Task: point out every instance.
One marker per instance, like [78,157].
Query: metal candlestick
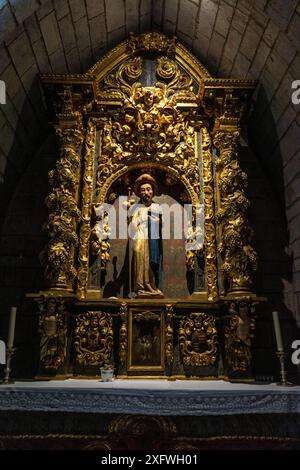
[282,356]
[9,354]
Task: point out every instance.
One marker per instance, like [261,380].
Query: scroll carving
[198,340]
[93,338]
[148,127]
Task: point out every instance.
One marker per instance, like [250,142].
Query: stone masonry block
[293,210]
[32,28]
[225,67]
[145,23]
[132,15]
[4,59]
[157,11]
[169,28]
[258,16]
[30,83]
[73,61]
[82,34]
[187,17]
[239,21]
[285,48]
[294,230]
[284,91]
[241,66]
[295,67]
[285,121]
[57,61]
[145,7]
[171,11]
[251,41]
[11,115]
[276,67]
[94,8]
[78,9]
[201,46]
[115,15]
[50,31]
[67,33]
[61,8]
[85,58]
[216,47]
[3,162]
[293,30]
[207,16]
[290,142]
[223,20]
[7,22]
[23,8]
[117,36]
[281,11]
[260,59]
[7,138]
[271,33]
[44,10]
[42,58]
[98,32]
[12,81]
[292,168]
[21,54]
[232,44]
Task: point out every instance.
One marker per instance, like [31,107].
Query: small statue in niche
[145,234]
[145,345]
[238,337]
[53,335]
[92,340]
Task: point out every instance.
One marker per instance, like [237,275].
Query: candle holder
[9,354]
[282,357]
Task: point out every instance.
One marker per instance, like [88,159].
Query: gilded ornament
[238,334]
[198,340]
[53,332]
[169,332]
[123,335]
[93,338]
[239,259]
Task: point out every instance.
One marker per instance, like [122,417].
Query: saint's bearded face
[146,193]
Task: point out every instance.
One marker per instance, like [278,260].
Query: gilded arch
[186,102]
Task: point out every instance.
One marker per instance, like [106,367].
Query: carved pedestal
[161,338]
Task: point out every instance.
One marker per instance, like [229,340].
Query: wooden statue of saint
[145,232]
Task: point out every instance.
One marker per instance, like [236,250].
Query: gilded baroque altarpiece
[148,107]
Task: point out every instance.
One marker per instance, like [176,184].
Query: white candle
[277,331]
[11,327]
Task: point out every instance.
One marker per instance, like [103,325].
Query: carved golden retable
[147,105]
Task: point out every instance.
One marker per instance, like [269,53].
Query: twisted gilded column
[58,256]
[238,257]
